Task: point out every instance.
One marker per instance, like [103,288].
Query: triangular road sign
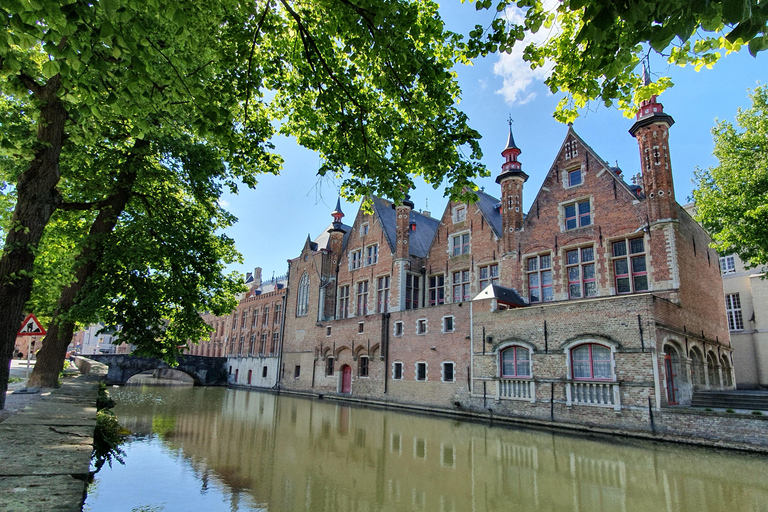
[31,327]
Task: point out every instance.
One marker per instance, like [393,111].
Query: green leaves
[732,198]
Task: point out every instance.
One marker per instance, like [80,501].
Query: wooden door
[346,379]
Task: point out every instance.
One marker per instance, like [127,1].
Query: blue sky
[276,217]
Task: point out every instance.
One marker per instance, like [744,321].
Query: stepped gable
[419,240]
[489,207]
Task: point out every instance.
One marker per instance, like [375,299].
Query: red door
[346,379]
[671,381]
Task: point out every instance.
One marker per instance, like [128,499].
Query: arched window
[302,305]
[697,368]
[515,362]
[591,361]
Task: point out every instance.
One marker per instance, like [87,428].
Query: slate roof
[324,238]
[419,240]
[489,206]
[508,296]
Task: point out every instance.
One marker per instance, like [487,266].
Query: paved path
[46,442]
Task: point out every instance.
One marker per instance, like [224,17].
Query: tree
[594,47]
[365,83]
[732,198]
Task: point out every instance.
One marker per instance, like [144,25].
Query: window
[577,215]
[361,327]
[447,324]
[539,278]
[362,366]
[460,214]
[329,366]
[364,229]
[275,339]
[580,268]
[302,304]
[263,345]
[421,371]
[460,244]
[296,371]
[264,372]
[362,298]
[278,313]
[265,317]
[515,362]
[437,290]
[733,310]
[250,372]
[448,372]
[591,361]
[244,320]
[412,291]
[253,344]
[728,264]
[371,255]
[255,318]
[488,274]
[397,371]
[355,259]
[343,301]
[574,177]
[421,326]
[382,294]
[398,329]
[328,331]
[234,321]
[629,269]
[461,286]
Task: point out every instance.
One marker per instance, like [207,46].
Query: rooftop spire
[337,214]
[511,166]
[646,75]
[510,138]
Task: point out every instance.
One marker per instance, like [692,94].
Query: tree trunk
[36,201]
[50,359]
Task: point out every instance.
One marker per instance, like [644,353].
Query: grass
[757,413]
[14,379]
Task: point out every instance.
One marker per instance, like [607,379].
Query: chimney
[257,277]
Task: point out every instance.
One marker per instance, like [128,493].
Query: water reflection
[262,452]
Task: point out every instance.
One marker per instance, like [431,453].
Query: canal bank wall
[45,449]
[732,431]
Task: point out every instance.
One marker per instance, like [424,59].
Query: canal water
[215,449]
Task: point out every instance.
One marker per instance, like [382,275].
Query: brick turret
[651,129]
[511,180]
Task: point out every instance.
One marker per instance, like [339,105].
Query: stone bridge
[205,371]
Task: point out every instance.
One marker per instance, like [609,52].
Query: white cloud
[518,77]
[223,203]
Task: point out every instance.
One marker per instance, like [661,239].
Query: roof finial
[646,74]
[510,121]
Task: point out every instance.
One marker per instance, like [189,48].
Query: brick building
[600,302]
[250,336]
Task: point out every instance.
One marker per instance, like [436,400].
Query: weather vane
[510,121]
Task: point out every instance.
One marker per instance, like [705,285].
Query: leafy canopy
[594,47]
[732,198]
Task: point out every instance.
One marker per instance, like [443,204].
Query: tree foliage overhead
[594,47]
[732,198]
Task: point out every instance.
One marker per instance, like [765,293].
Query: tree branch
[250,58]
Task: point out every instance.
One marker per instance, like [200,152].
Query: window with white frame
[398,329]
[728,264]
[461,286]
[265,317]
[382,294]
[733,310]
[515,362]
[577,214]
[436,290]
[275,340]
[243,323]
[421,371]
[580,269]
[278,313]
[591,361]
[343,302]
[234,321]
[371,255]
[459,214]
[448,373]
[355,259]
[302,304]
[448,324]
[629,268]
[574,177]
[364,229]
[263,343]
[460,244]
[255,318]
[489,274]
[362,298]
[397,371]
[412,282]
[421,326]
[539,271]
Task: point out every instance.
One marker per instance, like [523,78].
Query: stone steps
[731,399]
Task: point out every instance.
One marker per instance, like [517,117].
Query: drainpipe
[385,348]
[282,331]
[472,346]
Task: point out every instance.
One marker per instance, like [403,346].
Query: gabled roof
[324,238]
[503,295]
[489,206]
[419,240]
